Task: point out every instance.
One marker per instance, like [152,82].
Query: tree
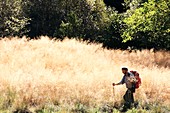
[149,25]
[45,16]
[12,18]
[76,19]
[84,19]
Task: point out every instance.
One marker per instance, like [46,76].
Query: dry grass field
[39,73]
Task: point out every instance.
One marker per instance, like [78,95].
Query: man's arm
[121,82]
[116,84]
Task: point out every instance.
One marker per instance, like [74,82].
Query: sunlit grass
[42,72]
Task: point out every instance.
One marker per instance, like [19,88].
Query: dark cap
[124,68]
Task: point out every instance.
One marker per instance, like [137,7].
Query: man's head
[124,70]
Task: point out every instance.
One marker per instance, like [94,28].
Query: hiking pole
[113,91]
[114,98]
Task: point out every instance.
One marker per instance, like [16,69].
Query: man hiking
[129,79]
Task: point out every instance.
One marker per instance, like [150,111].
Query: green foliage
[12,18]
[45,16]
[76,19]
[151,23]
[84,20]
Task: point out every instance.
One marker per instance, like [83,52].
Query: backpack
[138,83]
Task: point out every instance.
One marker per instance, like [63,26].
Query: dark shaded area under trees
[117,4]
[118,24]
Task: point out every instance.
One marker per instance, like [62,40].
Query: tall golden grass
[44,71]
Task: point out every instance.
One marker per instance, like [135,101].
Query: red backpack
[138,83]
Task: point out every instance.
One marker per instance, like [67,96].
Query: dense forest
[135,24]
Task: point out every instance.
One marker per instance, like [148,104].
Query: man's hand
[113,84]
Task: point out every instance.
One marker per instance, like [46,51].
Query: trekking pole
[113,91]
[114,98]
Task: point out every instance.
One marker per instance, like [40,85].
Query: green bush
[13,20]
[150,25]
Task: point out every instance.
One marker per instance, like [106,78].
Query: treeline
[137,24]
